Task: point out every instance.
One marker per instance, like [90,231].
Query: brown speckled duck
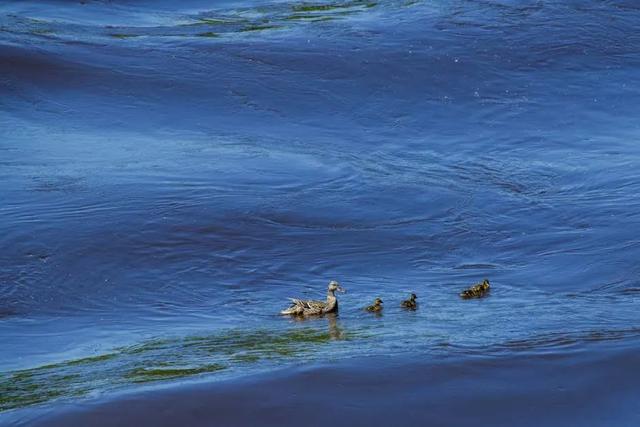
[313,308]
[410,303]
[376,307]
[476,291]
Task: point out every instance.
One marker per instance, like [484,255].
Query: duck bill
[341,289]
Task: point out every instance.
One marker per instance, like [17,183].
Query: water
[173,171]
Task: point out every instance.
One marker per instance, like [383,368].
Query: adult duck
[301,307]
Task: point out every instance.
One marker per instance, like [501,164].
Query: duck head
[335,287]
[377,302]
[413,297]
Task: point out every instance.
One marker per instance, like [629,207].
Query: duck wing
[308,304]
[299,306]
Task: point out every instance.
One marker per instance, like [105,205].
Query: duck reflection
[334,327]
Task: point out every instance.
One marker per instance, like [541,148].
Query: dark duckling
[376,307]
[411,302]
[476,291]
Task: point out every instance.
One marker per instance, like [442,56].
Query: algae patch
[140,375]
[123,36]
[325,7]
[215,22]
[259,28]
[212,21]
[309,18]
[161,360]
[24,388]
[42,32]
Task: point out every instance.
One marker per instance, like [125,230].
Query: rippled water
[173,171]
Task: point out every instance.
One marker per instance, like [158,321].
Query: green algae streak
[209,34]
[259,28]
[311,18]
[324,7]
[141,375]
[160,360]
[123,36]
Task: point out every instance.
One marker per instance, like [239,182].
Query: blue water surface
[178,169]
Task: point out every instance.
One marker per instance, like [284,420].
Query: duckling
[476,291]
[376,307]
[311,307]
[411,302]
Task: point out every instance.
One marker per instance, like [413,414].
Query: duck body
[376,307]
[301,307]
[311,307]
[476,291]
[410,303]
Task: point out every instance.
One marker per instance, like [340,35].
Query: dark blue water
[175,170]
